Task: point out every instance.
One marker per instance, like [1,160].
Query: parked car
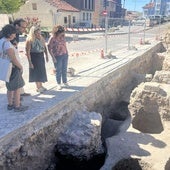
[82,25]
[139,22]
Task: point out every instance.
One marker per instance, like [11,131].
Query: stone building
[50,12]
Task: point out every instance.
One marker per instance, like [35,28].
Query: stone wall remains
[31,147]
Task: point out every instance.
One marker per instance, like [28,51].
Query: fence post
[106,27]
[144,32]
[129,35]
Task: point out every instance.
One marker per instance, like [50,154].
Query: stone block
[81,139]
[162,77]
[148,106]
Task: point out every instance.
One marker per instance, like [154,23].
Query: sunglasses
[23,27]
[61,29]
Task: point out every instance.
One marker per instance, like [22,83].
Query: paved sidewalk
[89,69]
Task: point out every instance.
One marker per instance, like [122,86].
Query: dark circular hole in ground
[116,118]
[120,111]
[132,164]
[110,127]
[167,166]
[69,162]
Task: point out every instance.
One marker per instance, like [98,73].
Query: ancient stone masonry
[166,63]
[149,106]
[150,102]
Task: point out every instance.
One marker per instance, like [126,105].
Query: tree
[10,6]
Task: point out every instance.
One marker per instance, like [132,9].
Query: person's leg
[17,98]
[38,85]
[64,68]
[10,96]
[17,104]
[59,69]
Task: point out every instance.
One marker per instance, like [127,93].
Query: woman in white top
[16,81]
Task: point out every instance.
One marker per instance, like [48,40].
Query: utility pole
[105,13]
[123,12]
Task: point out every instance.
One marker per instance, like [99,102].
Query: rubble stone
[82,137]
[149,107]
[162,77]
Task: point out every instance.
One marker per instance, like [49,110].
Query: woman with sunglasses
[58,50]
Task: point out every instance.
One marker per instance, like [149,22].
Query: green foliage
[10,6]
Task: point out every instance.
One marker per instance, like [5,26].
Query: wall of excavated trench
[32,146]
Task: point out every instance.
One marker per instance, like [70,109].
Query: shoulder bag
[5,65]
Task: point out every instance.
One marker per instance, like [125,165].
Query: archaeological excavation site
[121,121]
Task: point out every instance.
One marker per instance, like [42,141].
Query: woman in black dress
[35,49]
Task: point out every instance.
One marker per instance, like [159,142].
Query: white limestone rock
[162,77]
[166,63]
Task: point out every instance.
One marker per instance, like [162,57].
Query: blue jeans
[61,68]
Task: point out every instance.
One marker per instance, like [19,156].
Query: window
[74,19]
[158,6]
[85,4]
[65,20]
[92,4]
[34,6]
[90,16]
[83,16]
[87,16]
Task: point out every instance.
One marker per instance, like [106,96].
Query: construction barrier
[84,30]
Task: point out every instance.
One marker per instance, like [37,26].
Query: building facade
[116,12]
[50,12]
[71,12]
[119,9]
[92,10]
[167,9]
[157,7]
[86,8]
[97,14]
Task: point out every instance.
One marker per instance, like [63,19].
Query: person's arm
[49,46]
[11,54]
[46,54]
[28,49]
[45,50]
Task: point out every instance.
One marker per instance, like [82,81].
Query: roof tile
[62,5]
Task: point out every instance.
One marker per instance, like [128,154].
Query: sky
[135,5]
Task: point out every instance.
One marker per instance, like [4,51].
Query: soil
[132,164]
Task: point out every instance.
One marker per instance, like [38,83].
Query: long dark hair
[18,21]
[7,31]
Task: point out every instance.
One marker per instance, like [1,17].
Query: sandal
[41,90]
[21,108]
